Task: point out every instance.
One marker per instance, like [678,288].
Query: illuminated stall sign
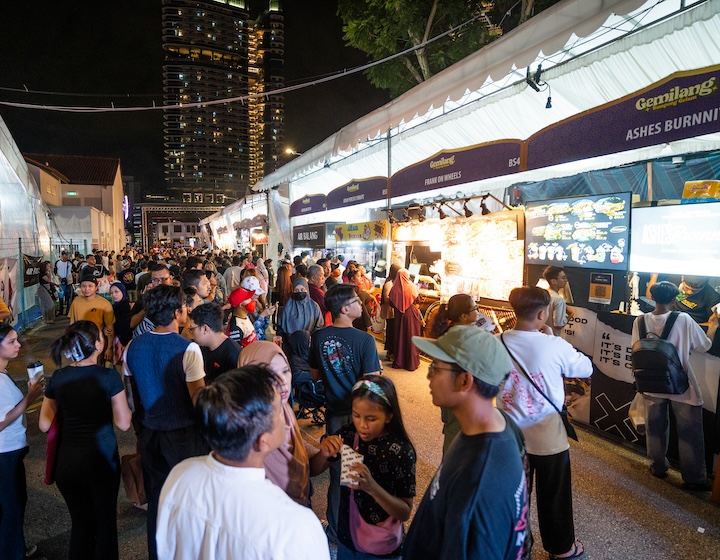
[311,236]
[448,168]
[365,231]
[358,192]
[585,231]
[682,106]
[307,205]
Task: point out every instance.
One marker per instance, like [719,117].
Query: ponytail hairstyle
[380,390]
[77,343]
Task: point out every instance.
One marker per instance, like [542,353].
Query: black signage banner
[310,236]
[31,270]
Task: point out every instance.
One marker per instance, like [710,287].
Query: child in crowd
[92,307]
[381,495]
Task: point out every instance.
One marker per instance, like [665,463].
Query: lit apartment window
[198,198]
[187,197]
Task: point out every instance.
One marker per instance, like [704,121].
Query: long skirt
[407,325]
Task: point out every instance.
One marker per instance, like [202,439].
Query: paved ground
[620,510]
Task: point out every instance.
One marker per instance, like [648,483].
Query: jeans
[332,426]
[691,442]
[66,297]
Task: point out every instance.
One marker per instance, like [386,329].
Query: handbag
[132,477]
[379,539]
[569,428]
[638,413]
[51,449]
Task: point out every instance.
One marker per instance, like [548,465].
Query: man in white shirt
[685,335]
[557,279]
[547,360]
[221,506]
[63,268]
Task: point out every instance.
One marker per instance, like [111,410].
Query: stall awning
[630,62]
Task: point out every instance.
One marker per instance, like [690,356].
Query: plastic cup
[35,370]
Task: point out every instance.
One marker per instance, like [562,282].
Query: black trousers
[13,498]
[553,493]
[160,451]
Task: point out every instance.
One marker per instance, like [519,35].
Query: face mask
[250,306]
[299,296]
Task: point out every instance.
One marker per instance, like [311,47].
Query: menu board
[586,232]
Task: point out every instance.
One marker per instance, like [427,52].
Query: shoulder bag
[569,428]
[379,539]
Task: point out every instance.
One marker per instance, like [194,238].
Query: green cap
[473,349]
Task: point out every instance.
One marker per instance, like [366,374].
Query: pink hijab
[289,465]
[403,293]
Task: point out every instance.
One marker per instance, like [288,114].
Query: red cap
[240,295]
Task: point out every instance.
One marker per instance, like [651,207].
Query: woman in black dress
[87,468]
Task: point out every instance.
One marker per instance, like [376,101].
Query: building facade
[218,49]
[85,196]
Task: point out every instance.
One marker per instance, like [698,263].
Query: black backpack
[655,362]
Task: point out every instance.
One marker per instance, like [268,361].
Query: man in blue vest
[164,373]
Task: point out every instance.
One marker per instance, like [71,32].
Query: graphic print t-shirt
[343,355]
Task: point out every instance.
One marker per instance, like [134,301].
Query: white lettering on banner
[353,198]
[613,352]
[580,330]
[307,236]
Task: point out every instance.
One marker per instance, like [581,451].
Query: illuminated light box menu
[585,231]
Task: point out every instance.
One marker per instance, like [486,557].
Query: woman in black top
[123,310]
[87,468]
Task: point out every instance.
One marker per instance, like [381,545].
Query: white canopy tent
[627,45]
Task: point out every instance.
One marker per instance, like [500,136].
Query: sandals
[576,551]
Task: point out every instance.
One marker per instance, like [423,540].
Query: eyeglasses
[160,280]
[356,300]
[191,330]
[432,368]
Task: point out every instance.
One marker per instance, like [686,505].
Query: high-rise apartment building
[215,50]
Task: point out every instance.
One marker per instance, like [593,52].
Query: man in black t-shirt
[697,298]
[340,355]
[477,503]
[220,352]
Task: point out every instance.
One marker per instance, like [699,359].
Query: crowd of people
[208,346]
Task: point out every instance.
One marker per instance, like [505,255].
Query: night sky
[100,48]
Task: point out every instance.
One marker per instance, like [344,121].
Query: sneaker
[30,550]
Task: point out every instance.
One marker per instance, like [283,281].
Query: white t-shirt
[214,511]
[13,437]
[557,314]
[686,335]
[546,359]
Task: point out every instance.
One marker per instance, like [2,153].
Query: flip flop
[577,551]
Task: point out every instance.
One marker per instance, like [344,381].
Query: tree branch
[412,69]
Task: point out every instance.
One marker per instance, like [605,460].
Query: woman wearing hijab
[122,310]
[288,466]
[300,313]
[388,313]
[408,323]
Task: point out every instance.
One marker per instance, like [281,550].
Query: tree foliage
[381,28]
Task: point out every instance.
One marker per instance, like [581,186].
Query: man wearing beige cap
[476,505]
